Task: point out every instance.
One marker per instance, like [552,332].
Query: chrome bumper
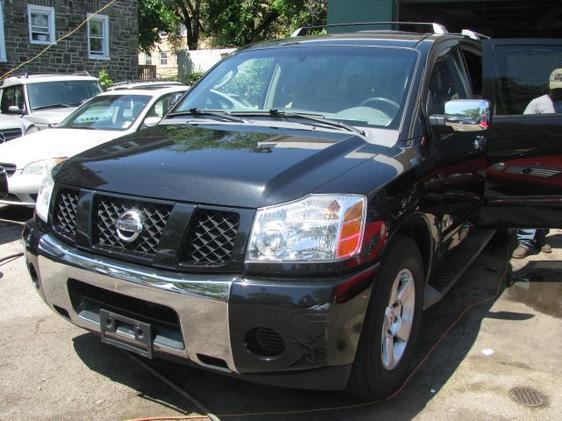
[201,303]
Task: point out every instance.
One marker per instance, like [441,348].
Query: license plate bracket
[126,333]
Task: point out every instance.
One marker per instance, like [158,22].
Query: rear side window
[525,79]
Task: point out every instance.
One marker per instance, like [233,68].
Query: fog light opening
[264,342]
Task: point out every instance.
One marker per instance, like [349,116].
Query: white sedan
[110,115]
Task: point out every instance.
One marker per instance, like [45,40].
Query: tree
[241,22]
[155,16]
[189,13]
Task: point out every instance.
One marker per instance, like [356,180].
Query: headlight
[317,228]
[44,197]
[41,167]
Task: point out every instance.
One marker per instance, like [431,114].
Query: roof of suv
[28,79]
[148,91]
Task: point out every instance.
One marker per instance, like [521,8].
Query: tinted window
[60,94]
[361,86]
[12,97]
[448,81]
[112,112]
[522,74]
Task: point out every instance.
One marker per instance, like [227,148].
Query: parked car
[293,215]
[11,128]
[46,99]
[104,117]
[143,84]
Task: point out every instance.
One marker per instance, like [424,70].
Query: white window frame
[162,58]
[45,10]
[3,57]
[104,19]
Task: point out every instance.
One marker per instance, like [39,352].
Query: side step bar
[455,265]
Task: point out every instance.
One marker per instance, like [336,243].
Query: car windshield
[107,112]
[61,94]
[362,86]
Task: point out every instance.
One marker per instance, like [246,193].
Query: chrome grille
[211,237]
[9,134]
[65,213]
[109,209]
[10,168]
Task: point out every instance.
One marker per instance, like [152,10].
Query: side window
[448,81]
[163,105]
[12,97]
[527,79]
[474,67]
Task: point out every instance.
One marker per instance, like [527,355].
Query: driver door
[523,186]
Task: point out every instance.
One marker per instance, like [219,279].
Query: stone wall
[71,55]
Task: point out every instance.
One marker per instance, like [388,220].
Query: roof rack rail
[436,28]
[473,35]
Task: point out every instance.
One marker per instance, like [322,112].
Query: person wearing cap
[533,240]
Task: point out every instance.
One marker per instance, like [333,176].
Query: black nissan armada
[294,214]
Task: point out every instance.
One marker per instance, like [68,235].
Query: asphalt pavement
[50,369]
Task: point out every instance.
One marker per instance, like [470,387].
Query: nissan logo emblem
[129,225]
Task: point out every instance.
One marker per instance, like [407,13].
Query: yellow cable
[40,53]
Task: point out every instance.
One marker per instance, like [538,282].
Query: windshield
[364,86]
[61,94]
[107,112]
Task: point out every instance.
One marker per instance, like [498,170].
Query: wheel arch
[419,228]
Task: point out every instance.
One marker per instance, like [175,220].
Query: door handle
[479,142]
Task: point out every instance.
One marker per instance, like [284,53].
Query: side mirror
[468,115]
[151,121]
[14,109]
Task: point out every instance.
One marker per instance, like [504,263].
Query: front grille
[64,221]
[9,134]
[10,168]
[109,209]
[211,236]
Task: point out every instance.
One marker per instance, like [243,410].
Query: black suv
[292,216]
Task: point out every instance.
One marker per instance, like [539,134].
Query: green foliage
[155,16]
[193,77]
[105,80]
[241,22]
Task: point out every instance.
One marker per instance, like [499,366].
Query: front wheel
[391,325]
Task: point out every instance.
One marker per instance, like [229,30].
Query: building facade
[497,18]
[108,41]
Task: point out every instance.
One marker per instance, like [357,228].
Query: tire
[375,375]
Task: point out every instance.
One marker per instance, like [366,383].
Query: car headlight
[41,167]
[318,228]
[44,197]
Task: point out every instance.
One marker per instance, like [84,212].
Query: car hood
[52,143]
[11,122]
[51,116]
[233,165]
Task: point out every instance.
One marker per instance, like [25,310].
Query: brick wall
[71,55]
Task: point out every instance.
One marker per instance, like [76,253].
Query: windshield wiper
[318,118]
[198,112]
[42,107]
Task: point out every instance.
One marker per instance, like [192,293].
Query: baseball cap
[556,79]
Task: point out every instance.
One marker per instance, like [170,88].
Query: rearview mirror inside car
[468,115]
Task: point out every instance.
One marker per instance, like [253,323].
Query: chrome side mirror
[468,115]
[14,109]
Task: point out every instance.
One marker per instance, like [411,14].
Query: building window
[41,20]
[147,59]
[98,37]
[163,58]
[2,40]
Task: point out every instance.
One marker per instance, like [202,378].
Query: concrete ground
[50,369]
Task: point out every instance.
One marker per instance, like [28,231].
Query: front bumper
[21,189]
[319,321]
